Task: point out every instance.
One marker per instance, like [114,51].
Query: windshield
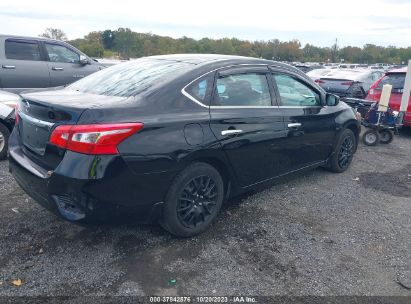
[129,78]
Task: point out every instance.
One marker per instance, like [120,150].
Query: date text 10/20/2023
[203,299]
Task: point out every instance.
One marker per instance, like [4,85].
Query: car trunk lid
[335,85]
[41,112]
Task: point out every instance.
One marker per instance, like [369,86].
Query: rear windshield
[396,80]
[130,78]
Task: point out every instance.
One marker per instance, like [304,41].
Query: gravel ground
[316,233]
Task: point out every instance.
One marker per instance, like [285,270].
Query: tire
[4,141]
[371,137]
[192,188]
[386,136]
[344,152]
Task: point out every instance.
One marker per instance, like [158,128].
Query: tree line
[123,43]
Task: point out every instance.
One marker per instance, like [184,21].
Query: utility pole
[334,50]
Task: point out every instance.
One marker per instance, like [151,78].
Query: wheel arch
[7,124]
[222,168]
[355,128]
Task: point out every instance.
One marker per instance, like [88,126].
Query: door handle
[57,69]
[231,132]
[8,66]
[294,125]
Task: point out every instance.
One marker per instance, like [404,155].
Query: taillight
[93,139]
[347,83]
[319,81]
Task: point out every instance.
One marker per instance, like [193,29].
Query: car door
[64,64]
[310,125]
[247,122]
[23,65]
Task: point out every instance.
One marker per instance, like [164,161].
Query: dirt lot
[317,233]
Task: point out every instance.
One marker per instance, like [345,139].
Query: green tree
[125,43]
[54,33]
[350,54]
[108,39]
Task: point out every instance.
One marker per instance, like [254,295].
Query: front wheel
[4,139]
[344,152]
[193,200]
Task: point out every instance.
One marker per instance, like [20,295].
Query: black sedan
[169,138]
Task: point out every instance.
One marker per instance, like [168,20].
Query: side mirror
[332,100]
[84,60]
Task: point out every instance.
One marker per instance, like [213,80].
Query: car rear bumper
[111,190]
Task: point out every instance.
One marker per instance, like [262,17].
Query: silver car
[27,63]
[348,82]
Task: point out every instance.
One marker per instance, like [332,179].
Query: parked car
[396,78]
[28,63]
[309,67]
[8,102]
[171,137]
[349,83]
[318,73]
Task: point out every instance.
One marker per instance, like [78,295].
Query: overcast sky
[353,22]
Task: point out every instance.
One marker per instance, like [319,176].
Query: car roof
[208,58]
[216,61]
[318,72]
[401,70]
[347,73]
[2,36]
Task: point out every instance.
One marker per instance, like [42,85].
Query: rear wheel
[344,152]
[193,200]
[386,136]
[4,140]
[371,137]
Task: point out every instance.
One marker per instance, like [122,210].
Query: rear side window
[59,53]
[247,90]
[22,50]
[201,89]
[396,80]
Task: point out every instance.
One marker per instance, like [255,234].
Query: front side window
[59,53]
[247,90]
[295,93]
[22,50]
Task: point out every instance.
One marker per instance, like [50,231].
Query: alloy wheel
[346,152]
[197,201]
[2,141]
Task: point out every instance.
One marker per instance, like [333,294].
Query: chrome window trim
[293,107]
[184,92]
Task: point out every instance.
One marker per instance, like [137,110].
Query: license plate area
[35,134]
